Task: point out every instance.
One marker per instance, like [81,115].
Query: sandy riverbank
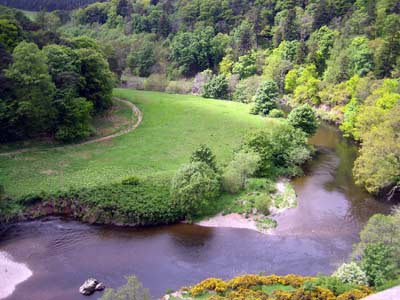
[233,220]
[11,274]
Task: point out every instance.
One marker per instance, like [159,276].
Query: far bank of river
[312,238]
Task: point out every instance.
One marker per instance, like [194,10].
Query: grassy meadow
[173,127]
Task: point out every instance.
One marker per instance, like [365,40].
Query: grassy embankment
[173,127]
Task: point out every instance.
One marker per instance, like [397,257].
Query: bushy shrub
[351,273]
[200,80]
[133,289]
[246,89]
[282,149]
[193,186]
[179,87]
[142,204]
[216,88]
[263,203]
[261,184]
[304,118]
[156,82]
[265,98]
[276,113]
[378,264]
[204,154]
[243,165]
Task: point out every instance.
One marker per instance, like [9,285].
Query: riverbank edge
[237,220]
[59,205]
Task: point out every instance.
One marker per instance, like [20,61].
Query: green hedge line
[132,202]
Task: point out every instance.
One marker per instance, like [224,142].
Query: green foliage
[352,274]
[265,98]
[331,283]
[319,45]
[246,89]
[245,66]
[192,51]
[244,38]
[381,229]
[133,289]
[303,117]
[216,88]
[378,264]
[204,154]
[140,60]
[282,149]
[193,187]
[132,180]
[243,165]
[10,34]
[34,89]
[304,84]
[98,79]
[378,166]
[276,113]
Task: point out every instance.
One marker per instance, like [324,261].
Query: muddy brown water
[313,238]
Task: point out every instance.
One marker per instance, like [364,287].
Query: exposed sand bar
[11,274]
[233,220]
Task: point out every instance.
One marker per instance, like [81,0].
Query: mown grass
[173,127]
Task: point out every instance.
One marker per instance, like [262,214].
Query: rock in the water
[88,287]
[100,286]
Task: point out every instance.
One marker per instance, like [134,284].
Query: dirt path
[132,126]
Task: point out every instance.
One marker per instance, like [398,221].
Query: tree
[140,60]
[244,38]
[73,113]
[204,154]
[281,147]
[381,229]
[377,262]
[304,118]
[243,165]
[360,57]
[34,89]
[132,290]
[378,165]
[10,34]
[246,65]
[217,87]
[193,187]
[266,98]
[98,79]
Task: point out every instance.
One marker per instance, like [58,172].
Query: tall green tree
[265,98]
[98,79]
[34,89]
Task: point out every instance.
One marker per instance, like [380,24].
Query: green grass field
[173,127]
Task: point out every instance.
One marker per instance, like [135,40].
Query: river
[312,238]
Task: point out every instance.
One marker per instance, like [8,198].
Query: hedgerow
[131,202]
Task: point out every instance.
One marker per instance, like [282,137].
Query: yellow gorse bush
[246,287]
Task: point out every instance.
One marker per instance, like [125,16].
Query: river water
[313,238]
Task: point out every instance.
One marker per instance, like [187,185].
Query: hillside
[47,5]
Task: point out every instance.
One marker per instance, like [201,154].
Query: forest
[47,5]
[341,57]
